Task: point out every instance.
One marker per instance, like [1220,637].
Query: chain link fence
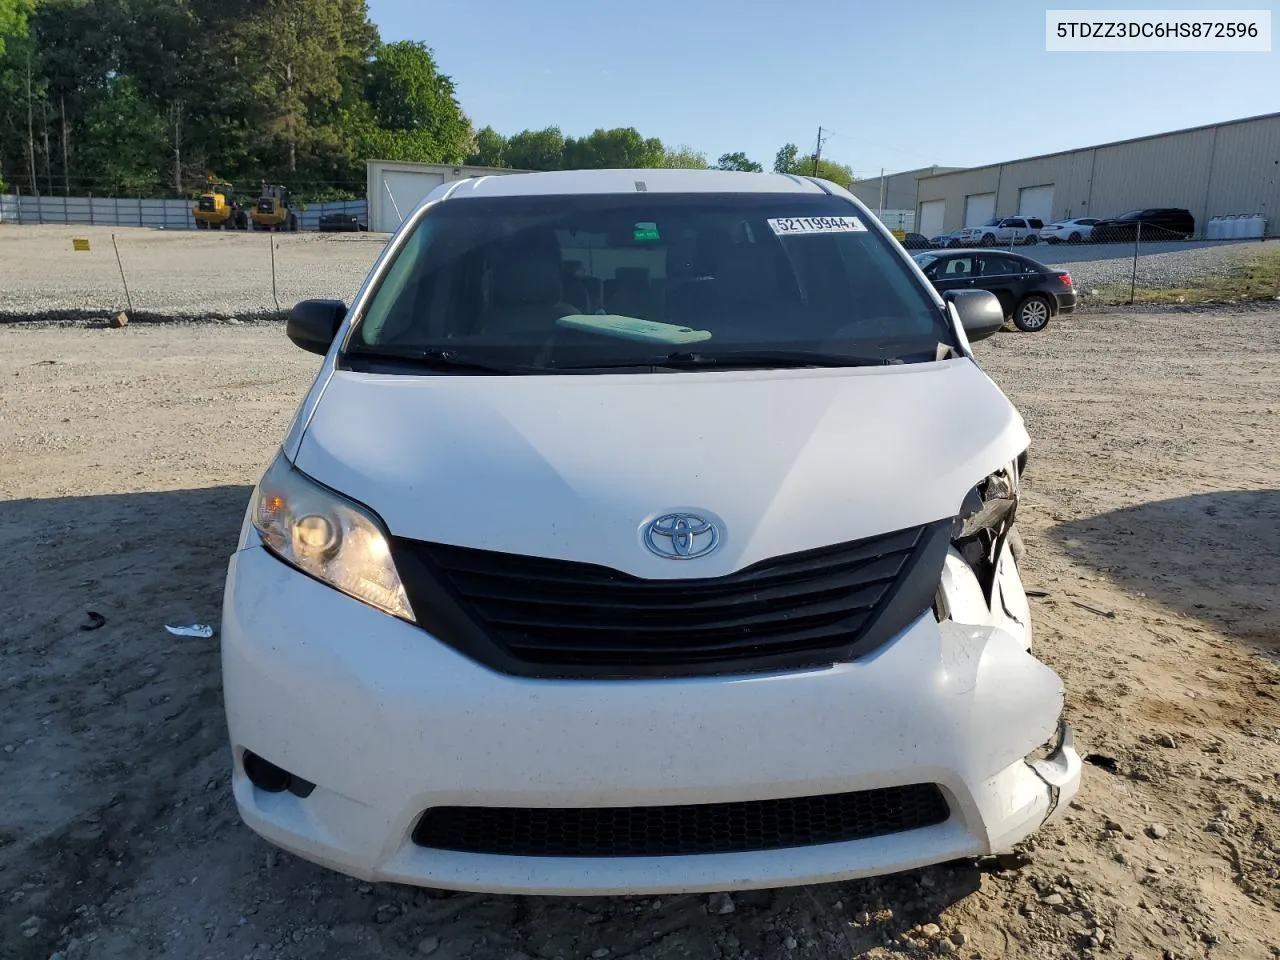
[1141,261]
[57,272]
[158,214]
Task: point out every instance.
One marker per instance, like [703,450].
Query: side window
[998,267]
[1035,224]
[959,267]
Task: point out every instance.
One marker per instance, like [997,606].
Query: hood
[573,466]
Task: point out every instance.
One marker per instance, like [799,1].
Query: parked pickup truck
[1001,231]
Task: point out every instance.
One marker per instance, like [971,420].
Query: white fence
[133,212]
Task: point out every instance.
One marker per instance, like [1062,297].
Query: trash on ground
[191,630]
[1092,609]
[93,620]
[1109,764]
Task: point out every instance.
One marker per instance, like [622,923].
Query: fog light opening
[269,778]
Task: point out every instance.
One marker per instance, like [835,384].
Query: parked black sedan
[1030,292]
[342,223]
[1155,223]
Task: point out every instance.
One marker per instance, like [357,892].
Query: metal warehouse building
[1219,170]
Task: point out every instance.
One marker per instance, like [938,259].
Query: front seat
[526,287]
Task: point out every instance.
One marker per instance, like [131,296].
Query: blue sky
[899,83]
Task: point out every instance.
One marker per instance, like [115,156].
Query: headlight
[328,537]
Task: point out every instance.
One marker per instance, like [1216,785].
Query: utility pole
[880,212]
[817,153]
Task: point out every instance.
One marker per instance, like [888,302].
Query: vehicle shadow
[117,789]
[1217,560]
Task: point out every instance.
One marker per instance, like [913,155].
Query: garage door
[979,208]
[1036,202]
[932,213]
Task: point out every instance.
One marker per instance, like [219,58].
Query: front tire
[1032,314]
[988,239]
[1074,238]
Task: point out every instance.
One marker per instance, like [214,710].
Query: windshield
[1131,215]
[532,284]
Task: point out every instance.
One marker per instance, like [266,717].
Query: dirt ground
[1152,518]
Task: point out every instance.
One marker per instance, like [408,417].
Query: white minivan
[642,531]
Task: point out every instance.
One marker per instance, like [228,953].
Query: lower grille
[562,618]
[683,830]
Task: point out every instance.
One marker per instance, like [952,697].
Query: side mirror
[313,324]
[980,312]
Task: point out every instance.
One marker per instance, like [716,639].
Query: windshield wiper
[436,358]
[744,359]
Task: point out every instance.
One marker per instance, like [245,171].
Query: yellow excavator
[217,208]
[273,209]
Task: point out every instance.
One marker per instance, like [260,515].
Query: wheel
[1074,238]
[293,223]
[988,239]
[1032,314]
[201,225]
[953,244]
[1031,240]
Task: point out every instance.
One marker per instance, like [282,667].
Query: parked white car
[1078,230]
[642,531]
[1001,231]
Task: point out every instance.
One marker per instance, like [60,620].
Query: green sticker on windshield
[646,232]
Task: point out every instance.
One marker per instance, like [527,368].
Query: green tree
[417,104]
[537,150]
[738,161]
[788,160]
[491,149]
[301,52]
[123,139]
[620,148]
[23,90]
[837,173]
[683,157]
[785,159]
[13,19]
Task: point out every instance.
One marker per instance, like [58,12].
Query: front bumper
[387,722]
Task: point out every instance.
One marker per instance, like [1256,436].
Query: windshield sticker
[794,226]
[646,231]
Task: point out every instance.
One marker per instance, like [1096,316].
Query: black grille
[266,206]
[206,203]
[675,831]
[805,608]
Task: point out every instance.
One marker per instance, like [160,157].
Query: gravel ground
[188,273]
[1152,521]
[1176,264]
